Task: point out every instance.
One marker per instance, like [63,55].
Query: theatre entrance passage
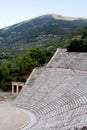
[16,87]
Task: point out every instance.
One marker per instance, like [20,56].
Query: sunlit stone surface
[57,94]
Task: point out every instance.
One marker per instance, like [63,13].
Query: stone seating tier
[57,93]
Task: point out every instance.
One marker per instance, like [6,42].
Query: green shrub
[77,46]
[5,86]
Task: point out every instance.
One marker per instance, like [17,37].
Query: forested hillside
[40,31]
[79,44]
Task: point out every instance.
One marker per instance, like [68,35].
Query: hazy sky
[14,11]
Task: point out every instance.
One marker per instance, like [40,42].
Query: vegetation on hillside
[19,69]
[40,31]
[79,45]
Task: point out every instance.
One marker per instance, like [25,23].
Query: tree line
[79,45]
[20,68]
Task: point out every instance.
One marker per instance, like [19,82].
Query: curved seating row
[57,93]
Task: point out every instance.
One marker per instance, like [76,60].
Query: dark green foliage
[20,79]
[1,75]
[84,34]
[6,86]
[18,69]
[25,64]
[39,55]
[79,45]
[75,46]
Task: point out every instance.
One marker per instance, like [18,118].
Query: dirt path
[11,117]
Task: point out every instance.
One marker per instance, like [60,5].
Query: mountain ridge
[38,31]
[56,16]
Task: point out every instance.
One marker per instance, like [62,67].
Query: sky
[15,11]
